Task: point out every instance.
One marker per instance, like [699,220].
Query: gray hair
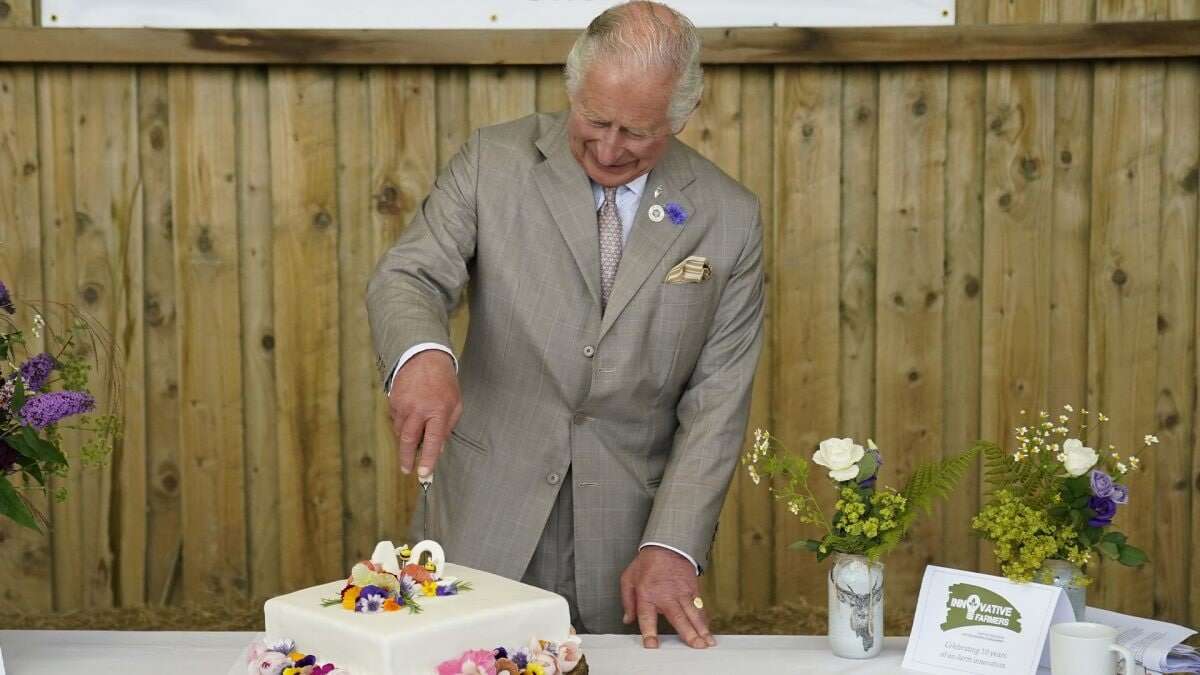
[635,33]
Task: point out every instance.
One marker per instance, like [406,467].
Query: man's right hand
[425,404]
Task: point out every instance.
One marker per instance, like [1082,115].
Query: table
[154,653]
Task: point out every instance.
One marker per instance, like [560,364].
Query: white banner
[477,13]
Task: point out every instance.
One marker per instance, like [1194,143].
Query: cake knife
[425,482]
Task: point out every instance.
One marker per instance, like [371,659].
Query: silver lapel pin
[658,191]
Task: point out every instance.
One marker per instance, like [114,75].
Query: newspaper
[1155,644]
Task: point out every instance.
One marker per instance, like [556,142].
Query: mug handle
[1125,654]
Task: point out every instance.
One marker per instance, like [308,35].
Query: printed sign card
[968,622]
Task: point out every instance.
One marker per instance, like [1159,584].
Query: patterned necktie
[610,243]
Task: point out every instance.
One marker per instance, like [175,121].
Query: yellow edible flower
[429,588]
[350,597]
[535,669]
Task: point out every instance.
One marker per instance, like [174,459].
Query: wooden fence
[947,244]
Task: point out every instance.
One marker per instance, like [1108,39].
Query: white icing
[436,554]
[495,612]
[385,557]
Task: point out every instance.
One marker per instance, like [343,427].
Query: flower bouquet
[38,392]
[868,521]
[1052,503]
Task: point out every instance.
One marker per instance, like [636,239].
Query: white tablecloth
[144,653]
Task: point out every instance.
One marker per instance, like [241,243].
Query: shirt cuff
[672,548]
[413,351]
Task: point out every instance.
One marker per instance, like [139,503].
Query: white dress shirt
[629,196]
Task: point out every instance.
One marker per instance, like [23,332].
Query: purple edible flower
[370,600]
[1120,493]
[448,589]
[1104,508]
[676,213]
[308,660]
[43,410]
[520,657]
[500,653]
[6,302]
[36,371]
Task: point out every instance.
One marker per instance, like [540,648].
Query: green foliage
[1039,509]
[866,520]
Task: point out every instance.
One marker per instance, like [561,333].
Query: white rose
[1077,457]
[840,456]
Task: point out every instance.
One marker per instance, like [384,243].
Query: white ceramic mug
[1082,648]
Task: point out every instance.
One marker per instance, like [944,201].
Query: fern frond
[934,480]
[929,481]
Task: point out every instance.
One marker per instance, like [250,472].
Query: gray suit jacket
[646,404]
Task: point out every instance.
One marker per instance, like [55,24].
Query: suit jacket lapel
[568,194]
[648,240]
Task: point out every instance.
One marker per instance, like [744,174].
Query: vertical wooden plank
[756,515]
[963,330]
[500,94]
[120,288]
[256,279]
[714,132]
[1127,145]
[24,554]
[204,162]
[403,163]
[551,90]
[859,185]
[362,396]
[807,154]
[1174,547]
[1018,200]
[1185,78]
[911,290]
[303,201]
[56,152]
[1072,158]
[164,535]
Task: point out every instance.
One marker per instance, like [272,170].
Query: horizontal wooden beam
[1150,39]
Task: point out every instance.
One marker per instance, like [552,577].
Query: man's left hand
[660,581]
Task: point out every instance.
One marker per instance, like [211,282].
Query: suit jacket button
[589,351]
[553,479]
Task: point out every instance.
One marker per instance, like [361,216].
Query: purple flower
[370,600]
[500,653]
[1102,484]
[676,213]
[1120,493]
[448,589]
[43,410]
[36,371]
[6,302]
[1104,508]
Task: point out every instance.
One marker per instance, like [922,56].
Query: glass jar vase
[855,606]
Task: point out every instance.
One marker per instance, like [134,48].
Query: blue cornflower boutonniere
[676,213]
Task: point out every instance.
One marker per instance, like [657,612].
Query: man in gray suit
[615,282]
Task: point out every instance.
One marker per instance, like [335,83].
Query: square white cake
[494,612]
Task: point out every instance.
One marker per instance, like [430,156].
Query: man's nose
[608,150]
